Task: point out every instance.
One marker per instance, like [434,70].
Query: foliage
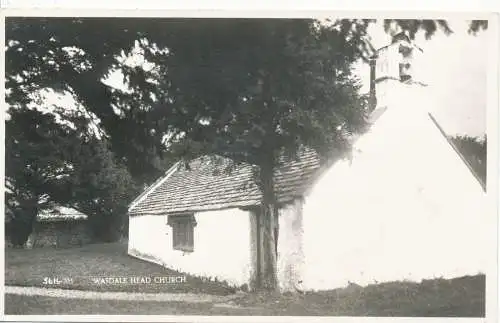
[102,189]
[413,26]
[48,163]
[297,71]
[62,54]
[474,150]
[477,25]
[37,167]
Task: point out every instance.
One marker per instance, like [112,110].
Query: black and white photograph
[305,166]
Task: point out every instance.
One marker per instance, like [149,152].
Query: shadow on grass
[77,268]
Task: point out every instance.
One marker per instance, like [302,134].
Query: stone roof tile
[205,185]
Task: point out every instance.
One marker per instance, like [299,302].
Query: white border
[459,9]
[245,13]
[336,5]
[493,162]
[2,169]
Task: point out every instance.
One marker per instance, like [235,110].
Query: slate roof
[205,185]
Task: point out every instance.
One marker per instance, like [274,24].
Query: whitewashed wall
[406,208]
[222,245]
[290,260]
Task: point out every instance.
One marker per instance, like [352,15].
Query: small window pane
[182,232]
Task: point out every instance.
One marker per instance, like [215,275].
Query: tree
[62,54]
[102,189]
[474,151]
[37,167]
[49,163]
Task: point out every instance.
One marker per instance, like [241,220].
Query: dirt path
[92,295]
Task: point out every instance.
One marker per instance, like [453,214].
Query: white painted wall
[290,260]
[406,208]
[222,245]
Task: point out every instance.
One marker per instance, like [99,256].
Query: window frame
[182,226]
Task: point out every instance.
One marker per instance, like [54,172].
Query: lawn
[459,297]
[27,305]
[76,268]
[462,297]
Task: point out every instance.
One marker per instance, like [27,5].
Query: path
[93,295]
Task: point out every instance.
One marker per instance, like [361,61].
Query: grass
[458,297]
[76,268]
[27,305]
[461,297]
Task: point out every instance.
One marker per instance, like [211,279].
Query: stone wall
[60,234]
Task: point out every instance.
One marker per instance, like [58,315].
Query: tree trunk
[269,224]
[21,225]
[269,216]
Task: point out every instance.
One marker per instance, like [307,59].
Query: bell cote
[392,66]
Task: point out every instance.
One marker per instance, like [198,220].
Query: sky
[455,68]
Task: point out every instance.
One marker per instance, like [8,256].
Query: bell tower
[392,68]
